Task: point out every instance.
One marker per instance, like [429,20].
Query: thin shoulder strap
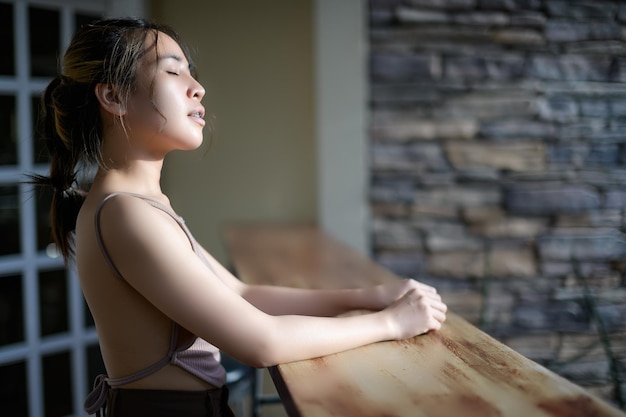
[153,203]
[103,249]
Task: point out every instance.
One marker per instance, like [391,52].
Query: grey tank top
[189,352]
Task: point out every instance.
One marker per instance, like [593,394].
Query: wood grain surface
[458,371]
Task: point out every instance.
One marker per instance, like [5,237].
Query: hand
[418,311]
[389,293]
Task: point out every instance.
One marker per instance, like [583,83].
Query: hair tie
[60,185]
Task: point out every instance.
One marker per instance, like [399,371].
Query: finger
[439,306]
[424,287]
[434,325]
[433,296]
[440,316]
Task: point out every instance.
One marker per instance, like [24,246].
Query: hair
[107,52]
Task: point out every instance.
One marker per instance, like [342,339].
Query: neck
[130,168]
[140,177]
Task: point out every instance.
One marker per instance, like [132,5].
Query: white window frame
[31,261]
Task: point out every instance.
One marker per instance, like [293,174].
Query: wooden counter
[457,372]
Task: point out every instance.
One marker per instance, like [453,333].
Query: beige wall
[255,60]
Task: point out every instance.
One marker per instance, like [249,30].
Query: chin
[189,143]
[191,146]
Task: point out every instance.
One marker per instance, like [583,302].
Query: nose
[196,90]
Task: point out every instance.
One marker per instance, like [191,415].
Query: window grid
[30,262]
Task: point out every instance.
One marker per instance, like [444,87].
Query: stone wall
[498,169]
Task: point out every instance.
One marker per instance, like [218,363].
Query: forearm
[291,338]
[294,338]
[278,336]
[276,300]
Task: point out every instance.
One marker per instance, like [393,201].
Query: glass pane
[95,366]
[53,306]
[42,206]
[11,311]
[83,19]
[9,221]
[8,131]
[57,385]
[40,152]
[13,395]
[7,63]
[45,34]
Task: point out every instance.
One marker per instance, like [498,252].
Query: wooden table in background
[458,371]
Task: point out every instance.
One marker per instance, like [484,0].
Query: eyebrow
[172,56]
[176,58]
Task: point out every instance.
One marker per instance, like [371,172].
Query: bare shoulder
[121,217]
[137,235]
[133,216]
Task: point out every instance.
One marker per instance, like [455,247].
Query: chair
[240,380]
[260,399]
[245,384]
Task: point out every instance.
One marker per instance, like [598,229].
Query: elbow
[261,343]
[265,351]
[262,355]
[260,362]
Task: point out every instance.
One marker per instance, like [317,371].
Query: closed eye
[173,72]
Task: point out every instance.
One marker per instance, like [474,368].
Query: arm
[174,280]
[277,300]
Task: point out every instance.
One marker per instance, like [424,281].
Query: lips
[198,116]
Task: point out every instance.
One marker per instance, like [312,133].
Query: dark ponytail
[59,131]
[106,52]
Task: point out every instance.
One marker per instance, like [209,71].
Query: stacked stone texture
[498,168]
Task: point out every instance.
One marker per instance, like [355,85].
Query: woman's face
[164,111]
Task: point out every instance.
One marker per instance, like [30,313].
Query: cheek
[146,111]
[157,107]
[139,104]
[167,101]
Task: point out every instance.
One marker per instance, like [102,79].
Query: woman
[163,306]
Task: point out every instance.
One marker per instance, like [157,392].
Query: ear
[109,99]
